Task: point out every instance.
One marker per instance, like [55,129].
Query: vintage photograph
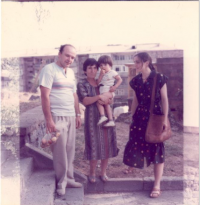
[100,102]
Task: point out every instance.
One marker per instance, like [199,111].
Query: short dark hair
[105,60]
[90,62]
[144,57]
[63,46]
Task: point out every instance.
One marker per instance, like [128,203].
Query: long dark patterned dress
[100,142]
[137,149]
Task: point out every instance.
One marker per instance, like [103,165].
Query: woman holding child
[100,141]
[137,149]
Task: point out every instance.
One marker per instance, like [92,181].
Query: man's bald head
[65,45]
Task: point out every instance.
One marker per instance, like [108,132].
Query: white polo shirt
[62,87]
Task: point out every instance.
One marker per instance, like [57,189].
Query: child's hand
[112,89]
[102,72]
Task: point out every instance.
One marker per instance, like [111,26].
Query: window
[38,60]
[117,69]
[130,57]
[124,81]
[119,92]
[121,57]
[116,57]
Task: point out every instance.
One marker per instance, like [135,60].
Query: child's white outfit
[107,81]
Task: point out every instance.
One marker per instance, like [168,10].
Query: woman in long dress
[137,150]
[100,142]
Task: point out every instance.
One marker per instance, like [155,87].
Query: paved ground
[189,196]
[167,198]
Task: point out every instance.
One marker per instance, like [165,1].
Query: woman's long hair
[144,57]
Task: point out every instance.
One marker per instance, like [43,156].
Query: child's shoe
[102,119]
[110,124]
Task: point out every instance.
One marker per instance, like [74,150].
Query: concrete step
[133,184]
[26,170]
[10,168]
[73,196]
[10,181]
[5,153]
[40,188]
[136,198]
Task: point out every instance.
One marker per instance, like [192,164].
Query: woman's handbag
[154,131]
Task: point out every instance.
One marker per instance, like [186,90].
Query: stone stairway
[37,184]
[10,177]
[25,182]
[40,188]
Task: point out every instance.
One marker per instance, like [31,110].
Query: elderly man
[60,106]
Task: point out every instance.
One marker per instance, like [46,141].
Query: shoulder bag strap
[153,95]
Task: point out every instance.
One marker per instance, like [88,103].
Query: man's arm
[50,125]
[77,111]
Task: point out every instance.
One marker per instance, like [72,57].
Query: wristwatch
[78,115]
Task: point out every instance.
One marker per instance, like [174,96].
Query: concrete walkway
[135,198]
[189,196]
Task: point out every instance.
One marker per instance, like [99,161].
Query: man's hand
[50,126]
[78,122]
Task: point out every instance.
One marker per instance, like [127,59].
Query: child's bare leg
[103,118]
[107,106]
[108,94]
[109,112]
[101,109]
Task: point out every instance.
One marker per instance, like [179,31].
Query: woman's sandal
[128,170]
[104,178]
[92,179]
[155,193]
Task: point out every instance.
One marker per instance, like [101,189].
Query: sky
[96,23]
[36,25]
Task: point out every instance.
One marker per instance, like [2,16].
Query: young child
[106,82]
